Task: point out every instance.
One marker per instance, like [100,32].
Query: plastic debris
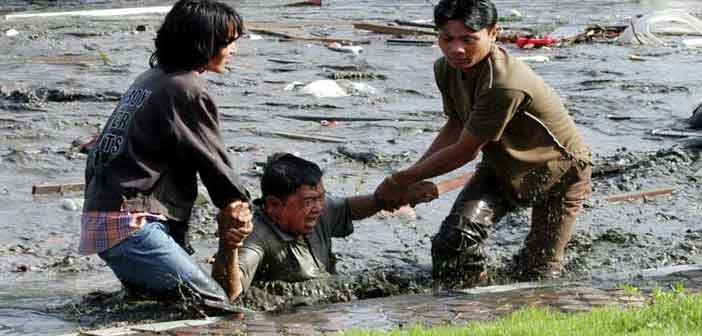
[324,88]
[642,30]
[535,58]
[327,123]
[336,46]
[254,37]
[293,86]
[692,43]
[533,42]
[358,88]
[11,32]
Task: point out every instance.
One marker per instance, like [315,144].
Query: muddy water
[60,77]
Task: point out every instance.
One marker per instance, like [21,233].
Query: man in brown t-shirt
[532,152]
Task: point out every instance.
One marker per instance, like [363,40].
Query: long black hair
[193,32]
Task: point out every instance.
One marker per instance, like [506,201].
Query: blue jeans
[150,263]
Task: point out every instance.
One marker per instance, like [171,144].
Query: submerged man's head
[293,193]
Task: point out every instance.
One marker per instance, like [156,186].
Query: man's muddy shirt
[532,141]
[270,254]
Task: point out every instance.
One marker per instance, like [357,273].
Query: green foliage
[630,289]
[670,312]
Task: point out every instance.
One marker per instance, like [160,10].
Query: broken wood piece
[300,136]
[674,134]
[57,188]
[453,183]
[345,119]
[285,61]
[639,195]
[383,29]
[409,42]
[95,12]
[305,3]
[308,38]
[415,24]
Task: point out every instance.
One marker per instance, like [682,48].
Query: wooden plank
[94,12]
[300,136]
[415,24]
[118,331]
[410,42]
[639,195]
[382,29]
[164,326]
[454,183]
[288,36]
[57,188]
[346,119]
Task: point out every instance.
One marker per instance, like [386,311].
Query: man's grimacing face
[299,212]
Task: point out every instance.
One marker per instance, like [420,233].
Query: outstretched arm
[392,191]
[446,160]
[448,135]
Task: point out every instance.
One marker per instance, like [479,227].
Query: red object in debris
[545,41]
[328,123]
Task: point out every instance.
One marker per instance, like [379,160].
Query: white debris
[343,48]
[535,58]
[358,88]
[11,32]
[72,204]
[254,37]
[642,30]
[293,86]
[324,88]
[692,43]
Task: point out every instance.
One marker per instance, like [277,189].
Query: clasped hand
[234,224]
[392,195]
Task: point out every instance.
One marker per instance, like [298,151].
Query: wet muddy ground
[60,79]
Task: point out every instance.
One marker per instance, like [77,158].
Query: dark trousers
[458,247]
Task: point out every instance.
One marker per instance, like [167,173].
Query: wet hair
[475,14]
[285,173]
[193,32]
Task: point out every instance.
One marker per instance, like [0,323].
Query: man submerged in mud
[141,178]
[532,154]
[295,221]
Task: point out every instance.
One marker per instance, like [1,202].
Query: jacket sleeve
[196,127]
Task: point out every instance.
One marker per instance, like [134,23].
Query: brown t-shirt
[532,139]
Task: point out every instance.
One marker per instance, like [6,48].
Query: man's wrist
[401,178]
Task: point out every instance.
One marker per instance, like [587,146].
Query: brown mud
[60,77]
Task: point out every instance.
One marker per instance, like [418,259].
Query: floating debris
[336,46]
[642,30]
[324,88]
[356,75]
